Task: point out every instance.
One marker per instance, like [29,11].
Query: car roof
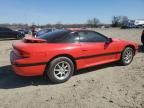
[4,28]
[79,29]
[71,30]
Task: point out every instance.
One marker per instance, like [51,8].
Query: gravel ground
[106,86]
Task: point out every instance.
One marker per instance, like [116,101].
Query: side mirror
[109,40]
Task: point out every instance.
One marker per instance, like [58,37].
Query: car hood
[121,40]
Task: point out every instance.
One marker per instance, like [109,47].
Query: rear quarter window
[61,37]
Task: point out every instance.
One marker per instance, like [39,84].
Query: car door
[2,35]
[8,33]
[5,33]
[96,49]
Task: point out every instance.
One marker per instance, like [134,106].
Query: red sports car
[58,54]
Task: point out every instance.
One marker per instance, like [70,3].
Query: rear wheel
[60,70]
[127,56]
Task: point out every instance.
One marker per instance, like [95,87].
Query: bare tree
[124,20]
[89,23]
[93,22]
[96,22]
[116,21]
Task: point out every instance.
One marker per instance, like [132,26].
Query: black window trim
[79,37]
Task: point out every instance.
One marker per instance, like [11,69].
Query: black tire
[51,70]
[142,39]
[123,56]
[20,36]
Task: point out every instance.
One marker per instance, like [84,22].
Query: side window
[71,38]
[6,30]
[64,38]
[91,37]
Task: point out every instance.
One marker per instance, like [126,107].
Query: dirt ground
[106,86]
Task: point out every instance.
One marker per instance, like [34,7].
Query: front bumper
[28,69]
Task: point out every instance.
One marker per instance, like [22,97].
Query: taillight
[21,54]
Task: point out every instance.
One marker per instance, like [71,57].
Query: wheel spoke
[59,66]
[66,70]
[58,70]
[58,73]
[63,65]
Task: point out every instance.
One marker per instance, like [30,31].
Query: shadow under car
[9,80]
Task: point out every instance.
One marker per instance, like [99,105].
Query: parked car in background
[127,26]
[140,26]
[133,24]
[58,54]
[23,31]
[9,33]
[44,31]
[142,37]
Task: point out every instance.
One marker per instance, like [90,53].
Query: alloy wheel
[128,55]
[62,70]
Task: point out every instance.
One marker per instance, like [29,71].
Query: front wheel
[127,56]
[60,70]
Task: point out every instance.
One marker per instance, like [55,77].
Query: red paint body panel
[84,54]
[99,49]
[29,70]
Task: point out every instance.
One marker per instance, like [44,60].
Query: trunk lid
[33,40]
[24,47]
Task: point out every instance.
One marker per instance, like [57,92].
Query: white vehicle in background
[134,24]
[139,22]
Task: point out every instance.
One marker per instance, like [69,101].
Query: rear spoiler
[33,40]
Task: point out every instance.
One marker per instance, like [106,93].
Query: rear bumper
[29,69]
